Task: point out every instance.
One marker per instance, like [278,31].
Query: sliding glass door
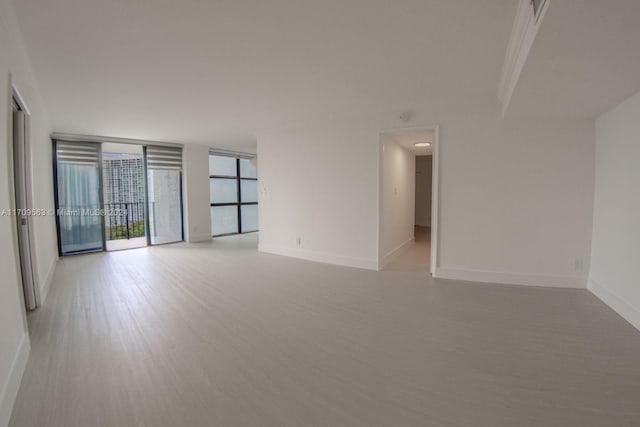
[132,198]
[164,194]
[78,197]
[124,195]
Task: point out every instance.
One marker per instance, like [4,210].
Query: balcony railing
[124,220]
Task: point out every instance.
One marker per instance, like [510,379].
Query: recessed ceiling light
[422,144]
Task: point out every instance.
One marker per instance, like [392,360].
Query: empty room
[305,213]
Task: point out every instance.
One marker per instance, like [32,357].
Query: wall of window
[103,195]
[233,193]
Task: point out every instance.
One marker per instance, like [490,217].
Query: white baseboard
[199,238]
[323,257]
[617,304]
[12,384]
[394,253]
[46,285]
[508,278]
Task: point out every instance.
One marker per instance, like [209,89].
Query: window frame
[239,203]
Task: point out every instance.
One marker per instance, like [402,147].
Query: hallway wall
[616,233]
[398,196]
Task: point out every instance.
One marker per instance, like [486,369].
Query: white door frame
[26,253]
[435,192]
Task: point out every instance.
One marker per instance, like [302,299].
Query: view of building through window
[113,196]
[124,188]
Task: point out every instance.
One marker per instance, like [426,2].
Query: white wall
[516,199]
[43,227]
[197,212]
[515,203]
[320,184]
[14,341]
[615,256]
[398,194]
[424,171]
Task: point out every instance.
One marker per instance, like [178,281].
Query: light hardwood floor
[217,334]
[417,256]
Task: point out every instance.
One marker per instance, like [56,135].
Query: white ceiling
[409,138]
[585,59]
[217,72]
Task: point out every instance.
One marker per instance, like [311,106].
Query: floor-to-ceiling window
[78,197]
[164,195]
[116,196]
[233,194]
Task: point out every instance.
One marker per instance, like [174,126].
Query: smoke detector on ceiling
[406,116]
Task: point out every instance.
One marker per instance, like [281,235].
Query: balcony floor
[117,245]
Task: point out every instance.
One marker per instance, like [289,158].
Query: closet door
[78,197]
[22,185]
[164,194]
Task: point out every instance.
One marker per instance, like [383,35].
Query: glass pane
[123,196]
[247,169]
[249,190]
[221,165]
[249,218]
[223,190]
[79,206]
[224,220]
[165,208]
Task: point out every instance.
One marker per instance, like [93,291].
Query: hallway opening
[407,210]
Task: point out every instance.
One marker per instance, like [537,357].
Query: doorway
[421,250]
[408,200]
[22,186]
[123,192]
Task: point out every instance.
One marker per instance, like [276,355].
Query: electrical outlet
[299,240]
